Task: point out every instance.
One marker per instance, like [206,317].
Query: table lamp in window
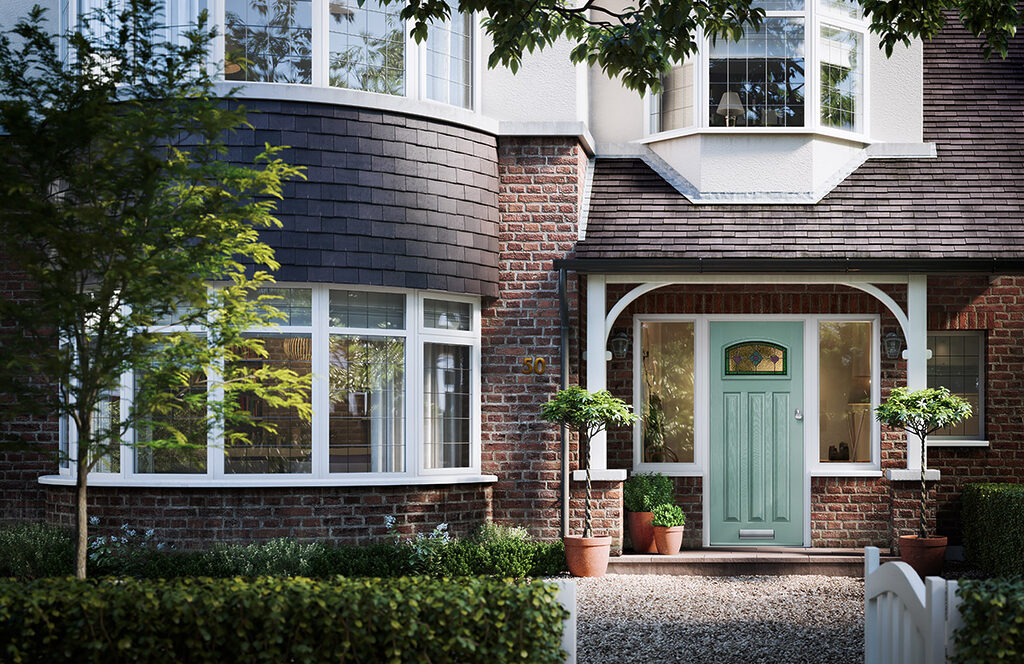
[730,108]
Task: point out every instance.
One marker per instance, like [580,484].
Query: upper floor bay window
[805,68]
[395,394]
[328,43]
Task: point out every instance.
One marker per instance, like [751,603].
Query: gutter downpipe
[563,380]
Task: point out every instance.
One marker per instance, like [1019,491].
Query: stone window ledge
[157,482]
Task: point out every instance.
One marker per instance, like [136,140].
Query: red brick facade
[540,187]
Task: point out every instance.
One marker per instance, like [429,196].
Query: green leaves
[668,516]
[642,492]
[268,619]
[993,525]
[587,412]
[993,621]
[922,412]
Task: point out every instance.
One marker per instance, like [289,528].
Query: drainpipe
[563,370]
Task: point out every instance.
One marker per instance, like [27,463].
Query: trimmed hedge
[276,620]
[993,527]
[993,627]
[30,552]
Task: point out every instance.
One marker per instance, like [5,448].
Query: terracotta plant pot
[925,554]
[668,539]
[587,556]
[641,533]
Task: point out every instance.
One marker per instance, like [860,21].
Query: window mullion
[415,435]
[319,44]
[320,388]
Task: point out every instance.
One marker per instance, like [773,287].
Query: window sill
[603,475]
[908,475]
[762,131]
[958,443]
[180,482]
[845,472]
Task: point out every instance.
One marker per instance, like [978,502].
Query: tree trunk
[588,530]
[923,525]
[81,516]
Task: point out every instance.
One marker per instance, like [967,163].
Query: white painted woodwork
[597,370]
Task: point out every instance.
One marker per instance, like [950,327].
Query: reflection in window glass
[779,5]
[367,397]
[268,40]
[759,80]
[844,390]
[844,8]
[449,61]
[956,364]
[842,78]
[106,431]
[365,309]
[673,108]
[295,304]
[289,449]
[444,315]
[181,17]
[446,405]
[667,415]
[367,46]
[191,422]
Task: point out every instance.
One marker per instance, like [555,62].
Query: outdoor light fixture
[893,344]
[620,345]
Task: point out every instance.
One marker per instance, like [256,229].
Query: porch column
[917,351]
[597,363]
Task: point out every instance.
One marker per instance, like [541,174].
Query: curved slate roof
[965,206]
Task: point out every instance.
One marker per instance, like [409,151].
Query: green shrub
[993,527]
[993,621]
[270,619]
[36,550]
[642,492]
[668,516]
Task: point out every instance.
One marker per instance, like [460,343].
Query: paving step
[747,561]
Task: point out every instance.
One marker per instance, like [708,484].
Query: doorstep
[747,561]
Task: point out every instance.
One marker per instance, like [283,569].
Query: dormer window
[763,80]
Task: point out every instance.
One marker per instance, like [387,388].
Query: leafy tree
[641,41]
[588,413]
[922,413]
[117,205]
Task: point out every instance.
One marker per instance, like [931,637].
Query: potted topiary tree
[668,522]
[588,413]
[641,493]
[922,413]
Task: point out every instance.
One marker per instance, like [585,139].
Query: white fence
[907,621]
[567,597]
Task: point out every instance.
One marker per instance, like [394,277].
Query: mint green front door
[757,466]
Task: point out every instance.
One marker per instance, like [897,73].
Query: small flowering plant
[422,548]
[105,550]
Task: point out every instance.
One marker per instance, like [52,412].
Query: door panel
[756,471]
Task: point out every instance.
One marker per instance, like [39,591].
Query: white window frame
[813,466]
[981,439]
[814,16]
[415,58]
[415,334]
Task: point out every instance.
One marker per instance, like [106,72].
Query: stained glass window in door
[755,358]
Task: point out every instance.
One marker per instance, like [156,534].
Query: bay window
[395,394]
[765,80]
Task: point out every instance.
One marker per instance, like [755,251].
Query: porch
[748,561]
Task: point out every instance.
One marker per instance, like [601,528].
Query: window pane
[444,315]
[844,8]
[956,364]
[756,358]
[268,40]
[367,420]
[779,5]
[385,311]
[446,400]
[844,390]
[367,46]
[449,61]
[667,416]
[842,78]
[674,107]
[189,421]
[106,428]
[294,303]
[759,81]
[290,449]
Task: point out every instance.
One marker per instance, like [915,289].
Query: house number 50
[534,365]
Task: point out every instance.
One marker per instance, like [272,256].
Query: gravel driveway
[746,619]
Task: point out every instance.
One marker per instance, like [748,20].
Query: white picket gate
[907,621]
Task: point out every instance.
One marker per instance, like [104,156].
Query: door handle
[797,415]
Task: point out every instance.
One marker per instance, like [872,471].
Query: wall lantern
[620,345]
[893,344]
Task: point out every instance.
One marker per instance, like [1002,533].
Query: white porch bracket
[913,323]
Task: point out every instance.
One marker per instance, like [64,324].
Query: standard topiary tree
[588,413]
[922,413]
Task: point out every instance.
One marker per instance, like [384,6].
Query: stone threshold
[747,561]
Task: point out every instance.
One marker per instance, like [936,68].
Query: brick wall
[540,185]
[196,518]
